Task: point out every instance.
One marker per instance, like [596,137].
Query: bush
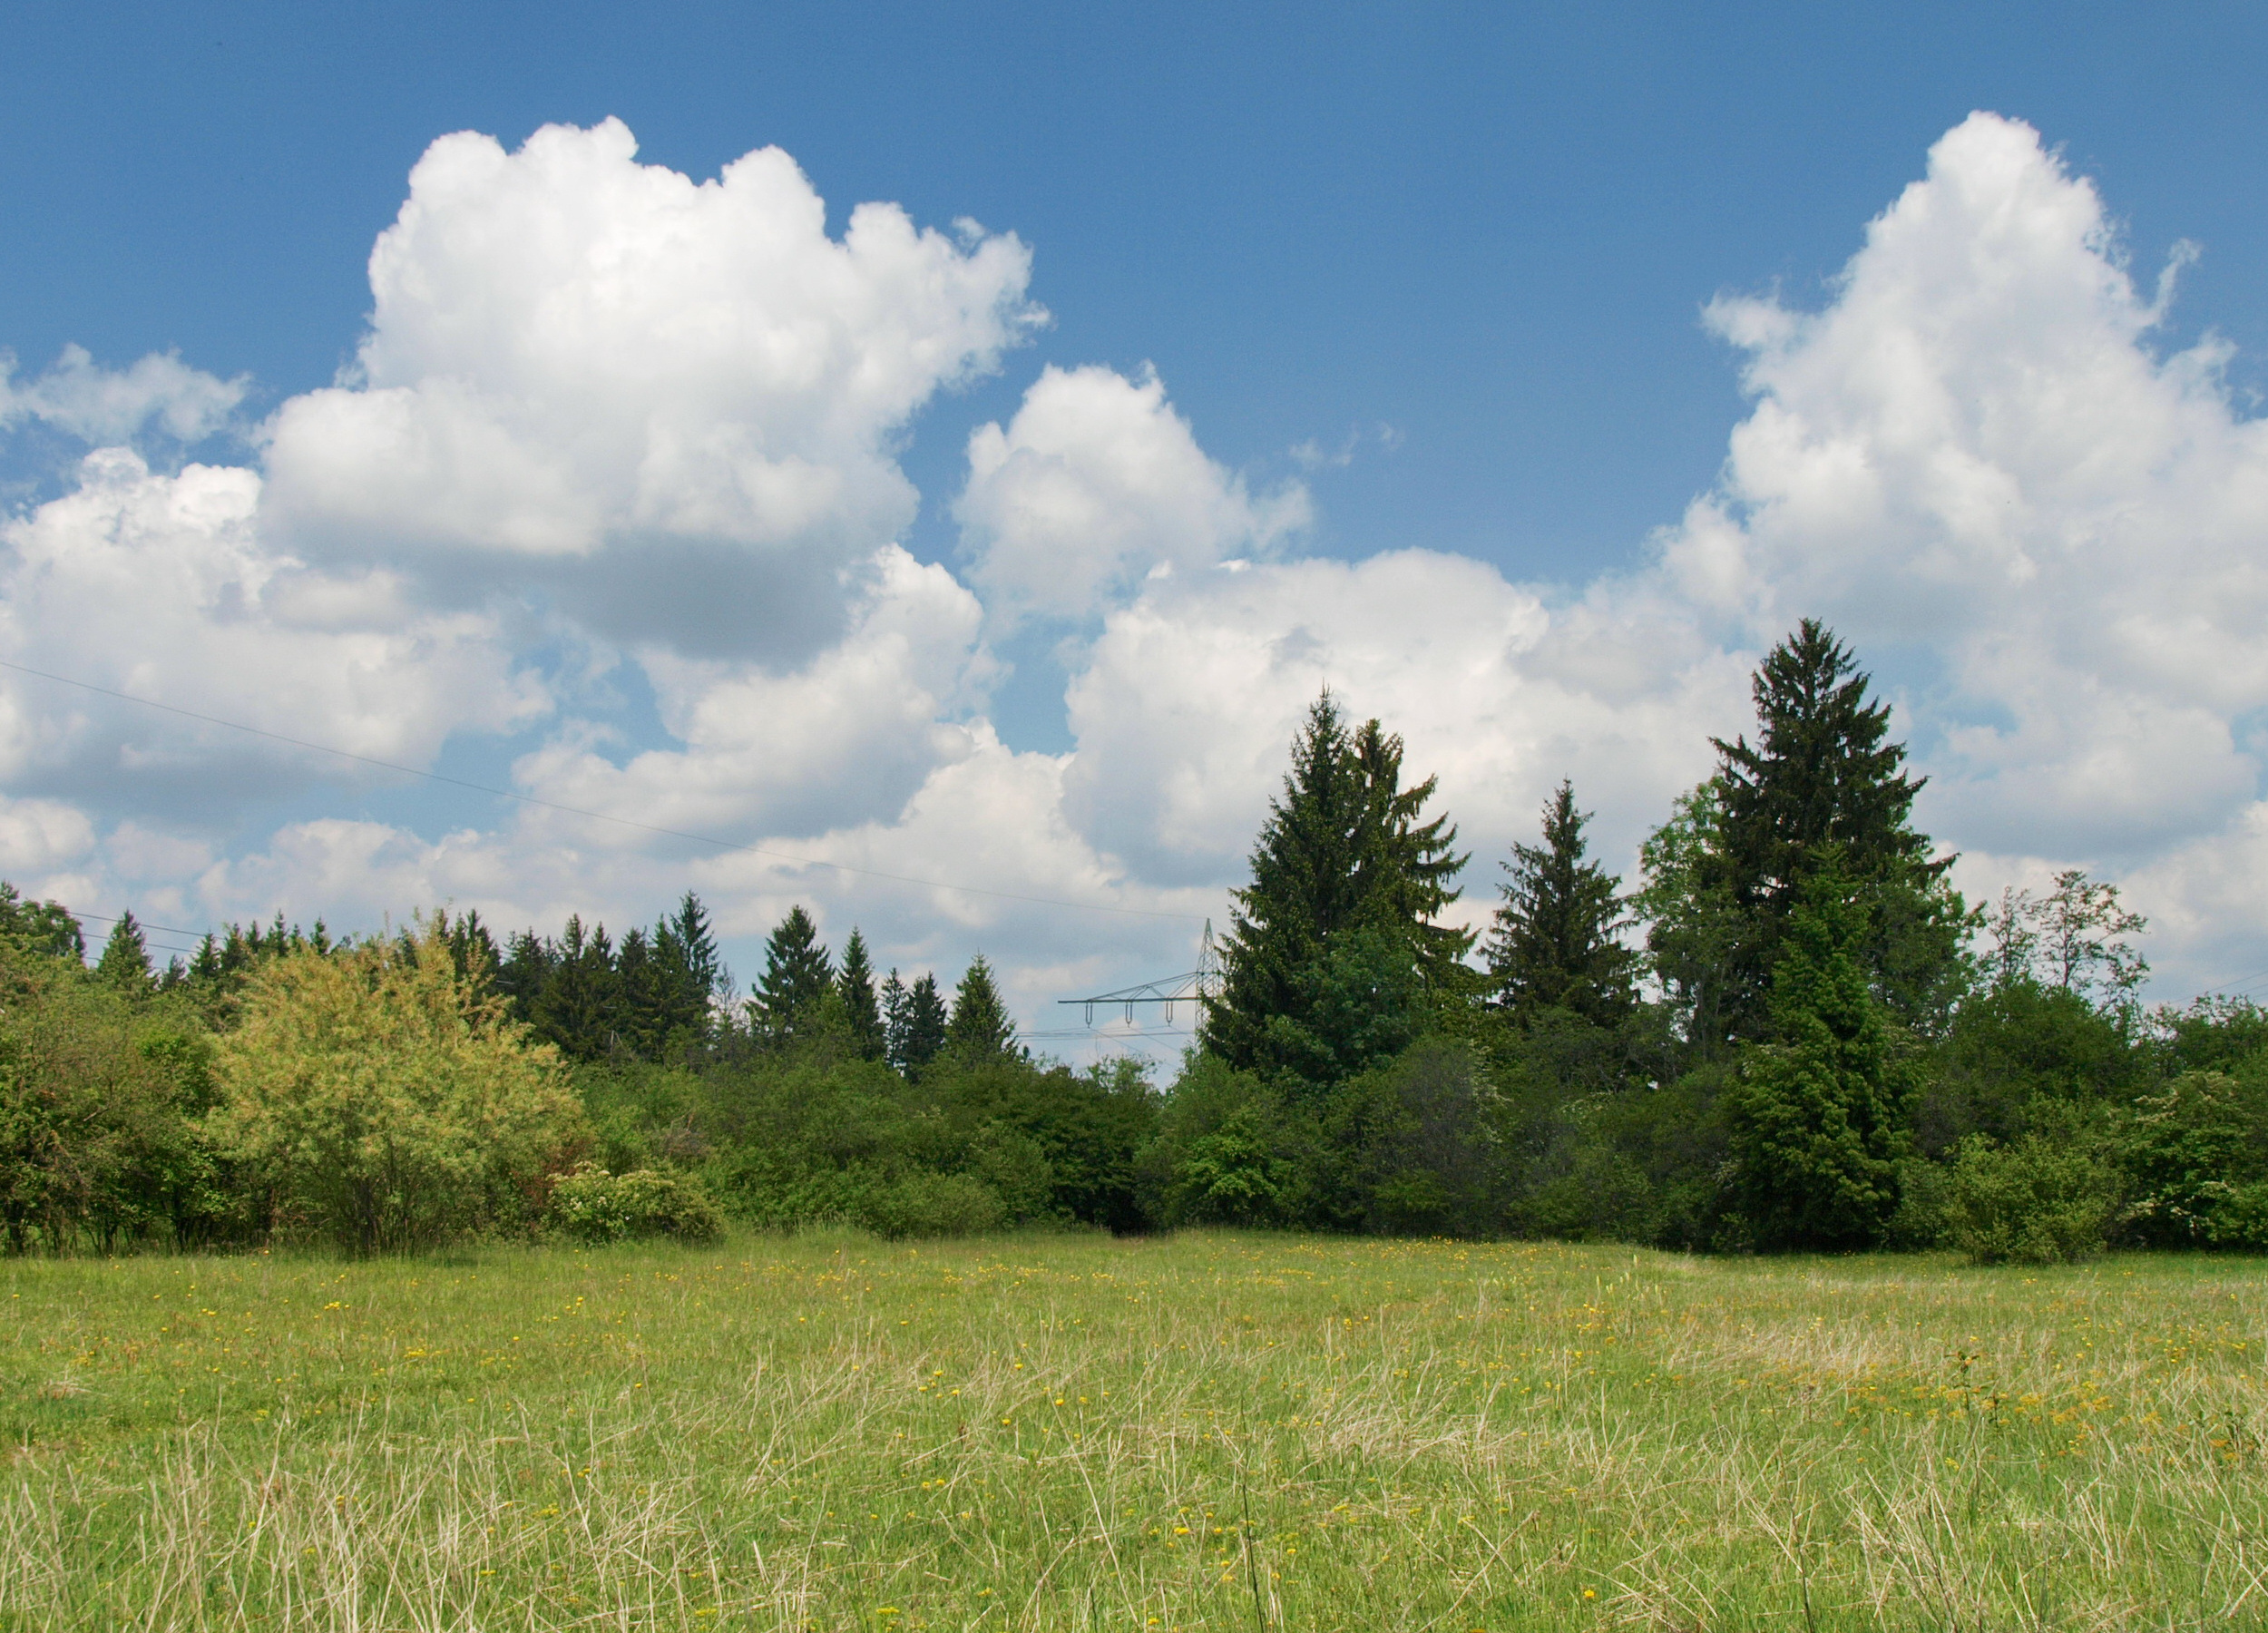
[594,1206]
[386,1102]
[2196,1155]
[2040,1201]
[100,1097]
[922,1204]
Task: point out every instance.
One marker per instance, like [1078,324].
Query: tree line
[1792,1033]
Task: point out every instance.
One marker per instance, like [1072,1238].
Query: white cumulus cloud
[96,405]
[161,587]
[573,355]
[1098,484]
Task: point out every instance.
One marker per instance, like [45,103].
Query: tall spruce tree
[1409,864]
[689,975]
[1819,1118]
[979,1027]
[1335,927]
[578,1007]
[914,1020]
[638,977]
[797,976]
[1555,944]
[1822,774]
[862,1010]
[125,961]
[528,962]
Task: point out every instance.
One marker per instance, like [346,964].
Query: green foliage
[2015,1047]
[1822,775]
[797,977]
[2214,1033]
[383,1103]
[1408,1149]
[41,928]
[922,1204]
[1352,1009]
[593,1206]
[100,1098]
[1556,943]
[913,1022]
[2195,1154]
[1234,1149]
[653,998]
[1693,924]
[2039,1201]
[1818,1120]
[125,961]
[979,1028]
[1333,944]
[578,1006]
[862,1006]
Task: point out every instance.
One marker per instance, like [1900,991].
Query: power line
[101,918]
[553,805]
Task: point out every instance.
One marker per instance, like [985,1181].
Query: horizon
[711,469]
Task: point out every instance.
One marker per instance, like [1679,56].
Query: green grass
[1208,1431]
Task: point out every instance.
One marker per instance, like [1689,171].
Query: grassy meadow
[1202,1431]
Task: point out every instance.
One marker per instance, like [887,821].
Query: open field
[1210,1431]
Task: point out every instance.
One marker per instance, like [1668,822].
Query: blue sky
[1442,274]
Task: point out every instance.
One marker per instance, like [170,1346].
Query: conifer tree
[979,1027]
[797,976]
[578,1007]
[1555,944]
[1409,865]
[637,978]
[915,1023]
[125,961]
[862,1012]
[1822,774]
[1337,922]
[1819,1118]
[472,949]
[526,969]
[690,975]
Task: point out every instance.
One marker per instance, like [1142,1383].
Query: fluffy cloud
[98,405]
[1193,691]
[575,358]
[1097,484]
[161,587]
[1974,453]
[603,408]
[848,737]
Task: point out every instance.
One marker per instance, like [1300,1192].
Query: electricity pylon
[1194,987]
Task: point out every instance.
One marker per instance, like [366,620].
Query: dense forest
[1792,1033]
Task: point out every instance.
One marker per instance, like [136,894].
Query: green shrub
[2040,1201]
[1924,1216]
[2196,1154]
[2241,1220]
[922,1204]
[594,1206]
[99,1100]
[383,1100]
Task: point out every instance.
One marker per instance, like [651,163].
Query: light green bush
[2039,1201]
[383,1103]
[594,1206]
